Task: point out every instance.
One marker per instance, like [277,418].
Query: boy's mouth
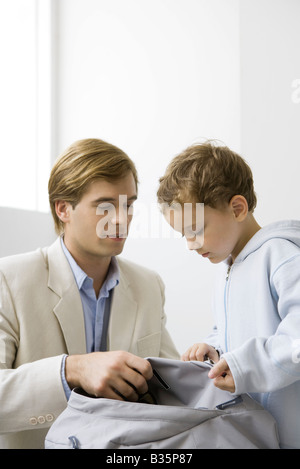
[206,254]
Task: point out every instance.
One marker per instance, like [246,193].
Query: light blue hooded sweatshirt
[257,314]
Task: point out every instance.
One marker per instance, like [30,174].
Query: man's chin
[114,245]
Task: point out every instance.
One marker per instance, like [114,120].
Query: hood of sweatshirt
[286,229]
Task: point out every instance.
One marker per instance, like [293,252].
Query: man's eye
[105,207]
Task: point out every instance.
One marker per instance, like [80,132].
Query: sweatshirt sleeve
[266,364]
[214,340]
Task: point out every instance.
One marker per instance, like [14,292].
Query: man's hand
[114,375]
[222,376]
[200,352]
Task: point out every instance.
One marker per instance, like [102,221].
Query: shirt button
[41,419]
[33,421]
[49,417]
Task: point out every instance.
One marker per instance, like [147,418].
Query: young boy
[257,294]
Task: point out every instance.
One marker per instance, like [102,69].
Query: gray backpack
[183,409]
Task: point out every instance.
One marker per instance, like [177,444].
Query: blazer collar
[68,310]
[124,308]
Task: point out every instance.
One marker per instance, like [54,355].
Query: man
[73,314]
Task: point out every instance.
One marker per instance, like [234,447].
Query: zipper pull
[228,271]
[235,401]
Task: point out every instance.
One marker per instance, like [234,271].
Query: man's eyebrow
[112,199]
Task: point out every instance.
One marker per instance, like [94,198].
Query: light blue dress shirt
[96,310]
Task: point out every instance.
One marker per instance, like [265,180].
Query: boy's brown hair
[207,173]
[81,163]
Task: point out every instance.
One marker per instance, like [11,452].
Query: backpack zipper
[235,401]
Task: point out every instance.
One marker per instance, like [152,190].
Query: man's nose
[120,217]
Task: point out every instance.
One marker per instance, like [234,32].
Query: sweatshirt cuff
[233,366]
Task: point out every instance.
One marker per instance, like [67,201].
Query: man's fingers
[114,375]
[121,389]
[136,380]
[126,391]
[140,365]
[133,379]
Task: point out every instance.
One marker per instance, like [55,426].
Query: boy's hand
[200,352]
[222,376]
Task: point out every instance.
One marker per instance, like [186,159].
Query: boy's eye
[192,234]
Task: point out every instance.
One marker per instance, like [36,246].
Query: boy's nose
[193,243]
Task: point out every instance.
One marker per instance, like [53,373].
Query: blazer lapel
[122,315]
[68,310]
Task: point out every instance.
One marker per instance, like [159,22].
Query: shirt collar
[112,278]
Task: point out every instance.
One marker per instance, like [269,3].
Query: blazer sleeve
[31,394]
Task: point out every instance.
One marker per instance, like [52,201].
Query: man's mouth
[120,237]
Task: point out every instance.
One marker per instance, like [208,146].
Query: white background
[152,77]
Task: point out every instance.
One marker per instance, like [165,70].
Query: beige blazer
[41,318]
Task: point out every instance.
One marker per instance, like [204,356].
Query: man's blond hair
[81,163]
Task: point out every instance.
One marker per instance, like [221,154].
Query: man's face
[99,223]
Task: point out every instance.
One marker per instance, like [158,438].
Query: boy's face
[98,225]
[220,236]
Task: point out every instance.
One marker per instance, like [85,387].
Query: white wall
[153,77]
[270,104]
[24,230]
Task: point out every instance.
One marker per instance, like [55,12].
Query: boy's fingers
[200,352]
[186,356]
[218,369]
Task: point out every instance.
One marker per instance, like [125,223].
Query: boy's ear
[239,206]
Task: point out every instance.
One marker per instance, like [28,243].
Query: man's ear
[239,207]
[62,209]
